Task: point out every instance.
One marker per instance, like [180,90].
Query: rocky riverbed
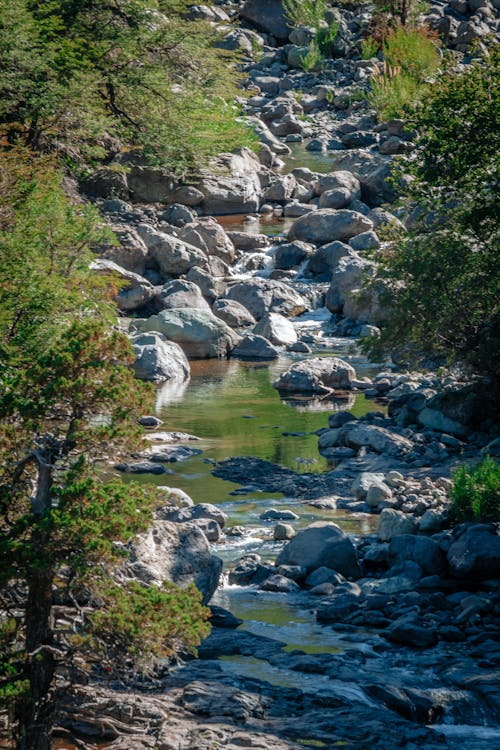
[384,637]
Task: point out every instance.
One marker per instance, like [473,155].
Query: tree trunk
[35,709]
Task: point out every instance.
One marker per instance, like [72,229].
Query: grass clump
[475,494]
[305,12]
[411,56]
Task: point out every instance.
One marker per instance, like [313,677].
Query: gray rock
[248,241]
[278,515]
[135,291]
[211,287]
[379,439]
[364,481]
[157,359]
[235,193]
[421,550]
[282,532]
[320,375]
[208,235]
[106,183]
[180,293]
[409,632]
[337,607]
[394,523]
[256,347]
[200,334]
[326,225]
[261,296]
[281,188]
[268,16]
[340,179]
[178,215]
[378,494]
[322,544]
[373,173]
[338,198]
[131,252]
[349,274]
[326,259]
[365,241]
[173,256]
[291,254]
[233,313]
[175,552]
[186,195]
[277,329]
[279,583]
[151,184]
[323,575]
[436,420]
[476,552]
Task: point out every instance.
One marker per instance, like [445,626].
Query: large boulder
[475,552]
[422,550]
[233,313]
[339,180]
[209,236]
[135,291]
[151,184]
[181,293]
[266,137]
[257,347]
[261,296]
[318,375]
[200,334]
[322,544]
[392,523]
[358,434]
[157,359]
[373,172]
[328,224]
[277,329]
[106,183]
[234,186]
[174,552]
[268,16]
[326,259]
[131,252]
[291,254]
[348,274]
[173,256]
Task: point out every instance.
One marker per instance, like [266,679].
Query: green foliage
[141,621]
[369,48]
[475,494]
[399,11]
[411,56]
[325,38]
[82,75]
[305,12]
[312,59]
[443,279]
[67,399]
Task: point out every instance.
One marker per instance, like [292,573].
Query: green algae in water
[312,743]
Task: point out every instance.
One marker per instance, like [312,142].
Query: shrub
[312,59]
[325,38]
[475,494]
[410,56]
[305,12]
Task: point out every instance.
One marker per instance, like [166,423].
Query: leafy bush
[442,279]
[305,12]
[475,494]
[392,91]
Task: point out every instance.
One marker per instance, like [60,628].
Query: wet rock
[319,375]
[323,575]
[326,259]
[337,607]
[381,440]
[282,532]
[200,334]
[291,254]
[142,467]
[249,570]
[408,631]
[280,584]
[322,544]
[195,512]
[326,225]
[221,618]
[282,514]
